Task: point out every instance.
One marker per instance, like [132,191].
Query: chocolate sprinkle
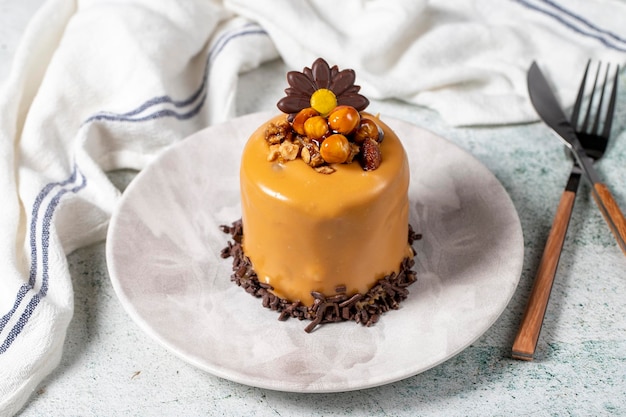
[365,309]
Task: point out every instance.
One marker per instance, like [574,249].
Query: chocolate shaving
[366,309]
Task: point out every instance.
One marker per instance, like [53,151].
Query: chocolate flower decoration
[322,88]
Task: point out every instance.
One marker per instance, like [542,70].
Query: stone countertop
[110,367]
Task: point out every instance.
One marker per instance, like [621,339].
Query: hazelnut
[316,127]
[301,117]
[344,119]
[335,149]
[368,129]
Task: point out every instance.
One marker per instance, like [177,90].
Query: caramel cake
[324,233]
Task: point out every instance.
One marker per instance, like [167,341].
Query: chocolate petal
[290,91]
[334,71]
[309,74]
[301,82]
[321,73]
[342,81]
[294,103]
[357,101]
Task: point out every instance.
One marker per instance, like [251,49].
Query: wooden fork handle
[526,340]
[612,213]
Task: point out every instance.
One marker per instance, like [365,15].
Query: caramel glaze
[305,231]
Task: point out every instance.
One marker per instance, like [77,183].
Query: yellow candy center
[323,101]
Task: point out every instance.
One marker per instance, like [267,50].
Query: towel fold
[467,60]
[100,85]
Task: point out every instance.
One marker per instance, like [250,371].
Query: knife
[550,111]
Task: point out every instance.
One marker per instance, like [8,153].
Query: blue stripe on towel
[33,224]
[249,29]
[585,22]
[64,186]
[23,291]
[45,243]
[577,23]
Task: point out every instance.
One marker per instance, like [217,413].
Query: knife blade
[549,110]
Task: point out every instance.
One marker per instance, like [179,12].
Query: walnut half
[278,132]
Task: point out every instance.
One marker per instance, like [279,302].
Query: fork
[595,143]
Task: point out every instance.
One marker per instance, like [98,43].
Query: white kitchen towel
[95,85]
[103,84]
[465,59]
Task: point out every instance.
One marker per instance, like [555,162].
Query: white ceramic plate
[163,253]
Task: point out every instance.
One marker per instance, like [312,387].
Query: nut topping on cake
[325,121]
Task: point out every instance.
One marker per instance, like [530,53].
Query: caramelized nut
[316,127]
[310,154]
[371,156]
[368,129]
[305,154]
[335,149]
[301,117]
[354,151]
[344,119]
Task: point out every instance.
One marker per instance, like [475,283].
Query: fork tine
[596,121]
[579,97]
[609,114]
[593,92]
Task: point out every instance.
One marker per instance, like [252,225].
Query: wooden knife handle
[526,340]
[612,213]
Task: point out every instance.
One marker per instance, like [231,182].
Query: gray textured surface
[110,367]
